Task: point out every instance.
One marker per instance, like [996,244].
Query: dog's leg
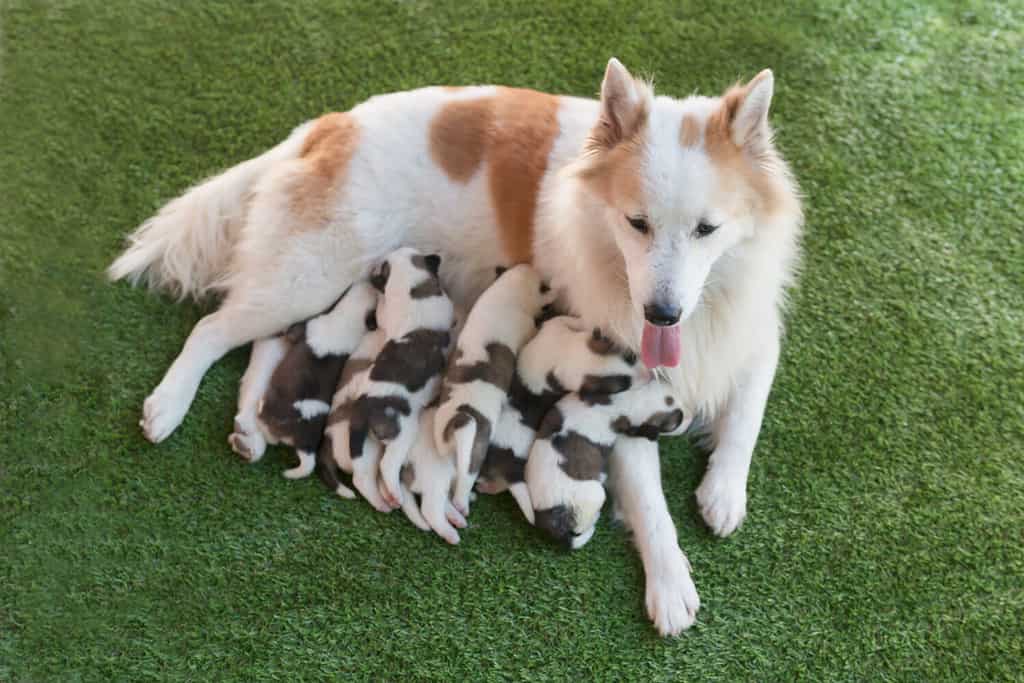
[722,495]
[635,480]
[247,440]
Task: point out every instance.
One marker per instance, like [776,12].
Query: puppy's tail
[185,249]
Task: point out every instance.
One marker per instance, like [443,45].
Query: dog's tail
[186,248]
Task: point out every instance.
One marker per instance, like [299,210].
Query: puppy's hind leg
[247,440]
[521,494]
[307,461]
[396,453]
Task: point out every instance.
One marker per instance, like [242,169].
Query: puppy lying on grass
[567,467]
[290,380]
[416,317]
[480,373]
[564,357]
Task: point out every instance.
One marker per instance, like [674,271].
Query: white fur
[431,476]
[505,314]
[731,286]
[310,408]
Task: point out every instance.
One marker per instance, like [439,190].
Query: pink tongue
[660,346]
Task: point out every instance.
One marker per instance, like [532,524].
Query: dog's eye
[704,229]
[639,224]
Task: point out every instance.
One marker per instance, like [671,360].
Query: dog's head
[683,183]
[412,293]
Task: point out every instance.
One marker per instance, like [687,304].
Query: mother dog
[673,225]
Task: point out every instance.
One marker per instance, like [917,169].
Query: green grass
[887,494]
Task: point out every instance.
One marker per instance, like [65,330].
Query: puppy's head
[412,292]
[572,520]
[683,183]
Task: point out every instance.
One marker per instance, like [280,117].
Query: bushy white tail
[186,248]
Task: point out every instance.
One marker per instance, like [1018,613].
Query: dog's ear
[747,110]
[379,278]
[625,105]
[433,262]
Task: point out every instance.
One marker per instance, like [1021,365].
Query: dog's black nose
[662,314]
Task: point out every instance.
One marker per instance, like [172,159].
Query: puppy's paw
[722,500]
[249,444]
[162,412]
[672,600]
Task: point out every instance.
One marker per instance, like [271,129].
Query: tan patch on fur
[326,153]
[755,170]
[511,133]
[458,137]
[525,126]
[689,131]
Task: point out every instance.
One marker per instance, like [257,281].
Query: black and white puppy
[568,462]
[293,408]
[426,480]
[564,357]
[335,452]
[416,316]
[480,373]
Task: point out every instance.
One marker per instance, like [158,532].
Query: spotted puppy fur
[565,356]
[335,453]
[417,316]
[568,462]
[479,376]
[293,409]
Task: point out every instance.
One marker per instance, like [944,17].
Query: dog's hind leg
[247,440]
[307,461]
[396,454]
[635,479]
[287,266]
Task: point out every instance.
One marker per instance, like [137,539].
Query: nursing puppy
[480,373]
[568,462]
[564,357]
[672,224]
[293,407]
[426,481]
[335,452]
[417,318]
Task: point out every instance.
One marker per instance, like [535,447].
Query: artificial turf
[884,540]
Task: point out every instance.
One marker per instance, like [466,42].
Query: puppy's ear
[433,262]
[379,278]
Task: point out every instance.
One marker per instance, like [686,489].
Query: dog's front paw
[672,600]
[722,499]
[162,412]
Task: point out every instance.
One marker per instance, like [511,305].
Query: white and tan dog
[671,224]
[480,373]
